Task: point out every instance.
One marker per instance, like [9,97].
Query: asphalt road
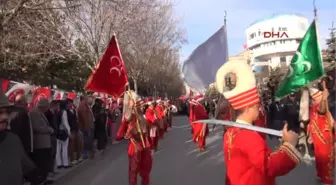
[178,162]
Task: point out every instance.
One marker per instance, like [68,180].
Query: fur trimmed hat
[245,93]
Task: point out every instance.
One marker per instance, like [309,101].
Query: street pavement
[178,162]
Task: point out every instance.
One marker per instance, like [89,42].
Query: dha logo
[278,35]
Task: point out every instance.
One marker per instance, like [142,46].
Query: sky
[202,18]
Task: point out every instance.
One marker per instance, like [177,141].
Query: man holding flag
[305,68]
[110,77]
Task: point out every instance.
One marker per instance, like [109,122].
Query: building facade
[272,41]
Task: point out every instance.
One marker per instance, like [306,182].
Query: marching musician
[200,130]
[248,159]
[136,129]
[160,116]
[169,114]
[320,129]
[191,115]
[153,121]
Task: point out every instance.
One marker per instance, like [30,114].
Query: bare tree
[156,30]
[32,35]
[59,37]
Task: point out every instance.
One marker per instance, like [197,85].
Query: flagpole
[315,10]
[317,30]
[225,36]
[225,14]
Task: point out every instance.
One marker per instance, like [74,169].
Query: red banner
[110,76]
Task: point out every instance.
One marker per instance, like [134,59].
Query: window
[282,59]
[252,36]
[259,33]
[284,29]
[273,30]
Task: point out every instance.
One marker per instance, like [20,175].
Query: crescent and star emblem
[118,68]
[301,66]
[40,96]
[14,93]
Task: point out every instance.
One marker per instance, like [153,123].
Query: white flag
[200,68]
[17,89]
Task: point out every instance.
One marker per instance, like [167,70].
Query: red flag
[39,93]
[110,76]
[245,46]
[72,95]
[4,85]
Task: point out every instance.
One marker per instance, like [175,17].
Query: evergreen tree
[331,43]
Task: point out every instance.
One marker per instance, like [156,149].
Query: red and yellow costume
[191,117]
[139,154]
[152,119]
[200,130]
[160,113]
[320,129]
[250,162]
[248,159]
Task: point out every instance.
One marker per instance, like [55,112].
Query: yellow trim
[317,129]
[291,151]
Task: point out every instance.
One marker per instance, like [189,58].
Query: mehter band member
[320,131]
[248,159]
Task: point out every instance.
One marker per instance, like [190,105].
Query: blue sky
[202,18]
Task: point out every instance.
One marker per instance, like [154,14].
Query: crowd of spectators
[52,136]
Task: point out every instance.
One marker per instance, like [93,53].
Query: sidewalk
[60,173]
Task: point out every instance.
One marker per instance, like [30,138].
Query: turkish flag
[110,76]
[39,93]
[72,95]
[245,46]
[58,95]
[4,85]
[17,89]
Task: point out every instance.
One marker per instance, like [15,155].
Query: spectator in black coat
[76,141]
[291,113]
[19,123]
[275,115]
[54,118]
[14,161]
[100,118]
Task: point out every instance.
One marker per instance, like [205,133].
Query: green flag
[306,66]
